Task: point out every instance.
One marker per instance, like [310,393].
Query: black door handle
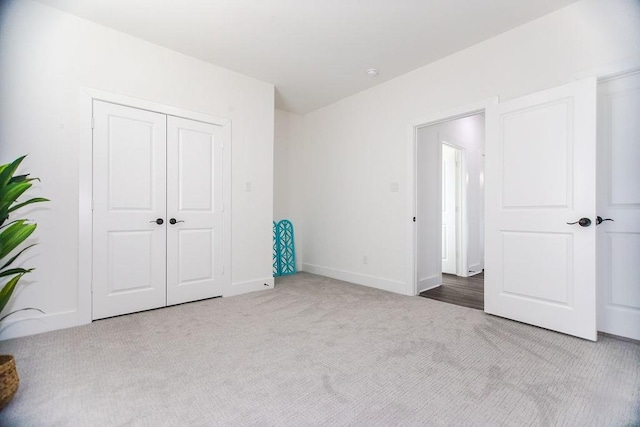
[173,221]
[583,222]
[600,220]
[158,221]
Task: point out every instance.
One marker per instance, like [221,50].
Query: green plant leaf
[18,178]
[28,202]
[13,235]
[7,291]
[21,309]
[7,171]
[11,271]
[8,224]
[13,258]
[21,178]
[10,193]
[15,232]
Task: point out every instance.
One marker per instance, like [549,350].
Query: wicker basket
[8,379]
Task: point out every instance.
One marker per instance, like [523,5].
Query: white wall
[355,148]
[288,133]
[46,57]
[286,162]
[467,133]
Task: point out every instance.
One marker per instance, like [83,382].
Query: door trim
[610,71]
[85,175]
[412,168]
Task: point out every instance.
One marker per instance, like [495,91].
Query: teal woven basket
[284,251]
[276,252]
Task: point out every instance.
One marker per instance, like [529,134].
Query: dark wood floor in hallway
[464,291]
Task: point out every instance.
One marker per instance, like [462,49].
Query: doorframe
[85,175]
[459,112]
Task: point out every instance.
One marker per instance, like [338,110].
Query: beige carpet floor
[317,351]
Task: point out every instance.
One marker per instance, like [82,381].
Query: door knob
[583,222]
[173,221]
[158,221]
[600,220]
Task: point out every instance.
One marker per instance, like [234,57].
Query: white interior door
[449,196]
[128,196]
[540,163]
[619,199]
[194,201]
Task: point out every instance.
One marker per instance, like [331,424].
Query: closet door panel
[129,195]
[194,209]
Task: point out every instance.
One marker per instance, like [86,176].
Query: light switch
[394,187]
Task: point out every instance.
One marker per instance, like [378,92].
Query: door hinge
[93,122]
[92,204]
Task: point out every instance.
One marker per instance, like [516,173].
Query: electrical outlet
[247,186]
[365,259]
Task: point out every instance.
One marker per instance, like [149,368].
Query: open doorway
[450,210]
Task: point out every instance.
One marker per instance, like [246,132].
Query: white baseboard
[357,278]
[475,269]
[429,283]
[39,324]
[239,288]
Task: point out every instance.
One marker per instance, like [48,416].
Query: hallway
[464,291]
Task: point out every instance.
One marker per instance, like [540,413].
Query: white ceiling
[314,51]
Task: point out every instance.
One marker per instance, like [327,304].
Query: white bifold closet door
[157,210]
